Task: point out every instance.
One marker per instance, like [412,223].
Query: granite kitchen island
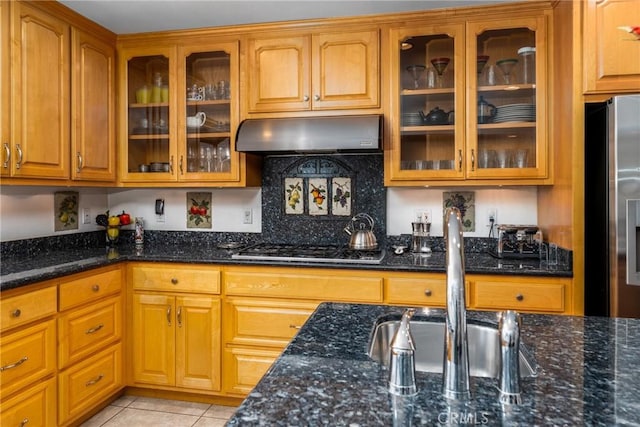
[587,376]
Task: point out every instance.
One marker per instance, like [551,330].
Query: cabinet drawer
[405,290]
[268,323]
[178,278]
[34,407]
[244,367]
[83,331]
[21,309]
[90,288]
[87,383]
[320,286]
[519,296]
[27,356]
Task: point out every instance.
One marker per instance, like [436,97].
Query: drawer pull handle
[179,316]
[94,381]
[95,288]
[295,326]
[16,313]
[94,329]
[428,292]
[169,315]
[24,422]
[14,365]
[519,297]
[174,280]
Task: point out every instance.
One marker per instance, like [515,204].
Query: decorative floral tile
[341,192]
[318,204]
[466,202]
[294,202]
[66,210]
[199,210]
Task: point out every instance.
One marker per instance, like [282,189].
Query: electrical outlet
[86,216]
[247,216]
[492,216]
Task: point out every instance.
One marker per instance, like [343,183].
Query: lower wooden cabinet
[525,294]
[245,366]
[423,289]
[34,407]
[86,384]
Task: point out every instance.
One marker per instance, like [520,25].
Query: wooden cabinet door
[198,342]
[93,141]
[611,55]
[278,74]
[345,70]
[40,74]
[33,407]
[5,89]
[153,339]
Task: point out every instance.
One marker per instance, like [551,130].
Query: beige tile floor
[138,411]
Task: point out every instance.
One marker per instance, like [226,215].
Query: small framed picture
[293,200]
[317,195]
[199,210]
[66,210]
[341,196]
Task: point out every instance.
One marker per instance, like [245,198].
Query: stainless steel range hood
[311,134]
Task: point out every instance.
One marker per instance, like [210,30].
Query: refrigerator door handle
[633,229]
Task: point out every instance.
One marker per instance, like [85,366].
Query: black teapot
[437,117]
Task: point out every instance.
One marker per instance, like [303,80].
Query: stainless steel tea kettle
[360,228]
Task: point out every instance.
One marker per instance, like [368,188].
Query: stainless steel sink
[484,348]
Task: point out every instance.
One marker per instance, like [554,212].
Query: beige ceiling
[135,16]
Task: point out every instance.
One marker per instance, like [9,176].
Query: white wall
[512,206]
[28,212]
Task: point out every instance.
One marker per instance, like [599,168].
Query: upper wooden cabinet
[40,96]
[179,112]
[93,139]
[61,121]
[323,71]
[611,55]
[468,103]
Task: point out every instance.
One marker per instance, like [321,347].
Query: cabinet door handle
[94,381]
[292,326]
[7,160]
[171,164]
[179,316]
[80,162]
[460,160]
[180,165]
[519,297]
[19,162]
[94,329]
[14,364]
[174,280]
[24,422]
[95,288]
[16,313]
[473,160]
[305,98]
[428,292]
[316,97]
[169,315]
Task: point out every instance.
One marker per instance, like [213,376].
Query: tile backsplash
[367,195]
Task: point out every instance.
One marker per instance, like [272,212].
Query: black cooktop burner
[309,253]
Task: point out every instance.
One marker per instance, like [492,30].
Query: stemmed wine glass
[416,72]
[481,62]
[506,65]
[440,64]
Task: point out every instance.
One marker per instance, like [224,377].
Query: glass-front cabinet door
[208,105]
[507,125]
[148,123]
[427,103]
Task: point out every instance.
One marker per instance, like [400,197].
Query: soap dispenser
[402,368]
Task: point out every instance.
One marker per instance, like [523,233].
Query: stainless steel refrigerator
[612,207]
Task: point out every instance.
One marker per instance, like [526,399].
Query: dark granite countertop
[18,271]
[588,376]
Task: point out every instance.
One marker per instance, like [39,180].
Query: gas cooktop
[309,253]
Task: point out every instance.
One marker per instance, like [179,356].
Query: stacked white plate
[411,119]
[515,113]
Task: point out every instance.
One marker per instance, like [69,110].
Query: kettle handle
[365,216]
